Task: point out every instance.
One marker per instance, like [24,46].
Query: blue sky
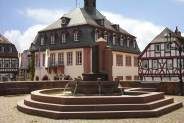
[139,17]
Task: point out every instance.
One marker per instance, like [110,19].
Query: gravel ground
[10,114]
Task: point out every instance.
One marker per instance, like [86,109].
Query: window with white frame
[1,63]
[61,58]
[69,58]
[43,60]
[169,63]
[42,41]
[157,48]
[96,35]
[167,47]
[75,36]
[145,64]
[2,49]
[128,60]
[121,41]
[182,63]
[6,63]
[155,64]
[10,49]
[106,37]
[63,38]
[114,39]
[37,59]
[134,44]
[52,59]
[128,42]
[13,63]
[135,61]
[52,39]
[79,58]
[119,60]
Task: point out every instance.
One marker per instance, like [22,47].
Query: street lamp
[180,70]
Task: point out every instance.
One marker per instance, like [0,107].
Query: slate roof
[4,40]
[162,36]
[79,16]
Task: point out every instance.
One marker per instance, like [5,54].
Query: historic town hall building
[84,41]
[9,62]
[163,58]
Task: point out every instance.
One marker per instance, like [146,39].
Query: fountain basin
[136,104]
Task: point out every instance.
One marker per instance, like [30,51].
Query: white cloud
[43,15]
[23,40]
[180,0]
[144,31]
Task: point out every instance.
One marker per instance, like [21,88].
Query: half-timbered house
[84,41]
[9,62]
[160,60]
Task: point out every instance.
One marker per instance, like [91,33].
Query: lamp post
[180,70]
[169,39]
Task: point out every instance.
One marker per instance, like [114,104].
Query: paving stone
[10,114]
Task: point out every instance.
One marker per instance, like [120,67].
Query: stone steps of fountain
[86,100]
[98,107]
[98,114]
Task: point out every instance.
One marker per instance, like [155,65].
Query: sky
[20,20]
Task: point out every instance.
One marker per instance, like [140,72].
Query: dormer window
[116,27]
[10,49]
[42,41]
[75,35]
[52,39]
[128,42]
[114,39]
[96,35]
[121,41]
[64,21]
[100,22]
[1,49]
[134,44]
[63,38]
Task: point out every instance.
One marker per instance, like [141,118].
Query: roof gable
[163,35]
[4,40]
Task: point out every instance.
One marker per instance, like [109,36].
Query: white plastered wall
[73,70]
[124,70]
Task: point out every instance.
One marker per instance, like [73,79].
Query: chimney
[90,6]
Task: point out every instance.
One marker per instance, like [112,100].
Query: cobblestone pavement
[10,114]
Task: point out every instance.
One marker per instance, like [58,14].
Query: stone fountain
[96,100]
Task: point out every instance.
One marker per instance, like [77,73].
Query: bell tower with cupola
[90,6]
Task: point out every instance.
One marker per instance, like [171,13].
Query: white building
[84,41]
